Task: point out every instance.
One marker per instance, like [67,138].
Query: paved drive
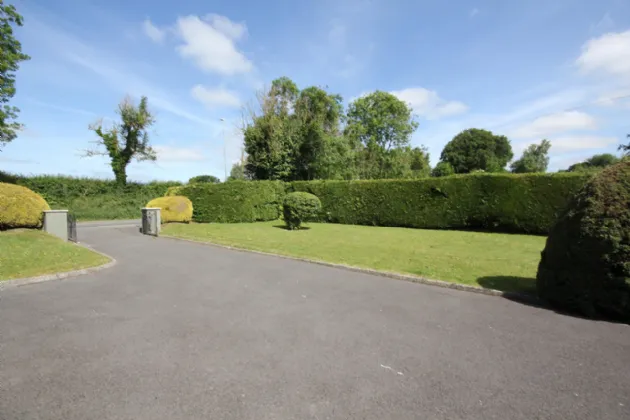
[184,331]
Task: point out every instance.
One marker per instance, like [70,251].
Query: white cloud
[607,54]
[474,12]
[177,154]
[215,97]
[211,43]
[156,34]
[555,123]
[573,143]
[428,104]
[234,30]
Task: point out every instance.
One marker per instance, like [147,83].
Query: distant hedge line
[493,202]
[234,202]
[91,199]
[496,202]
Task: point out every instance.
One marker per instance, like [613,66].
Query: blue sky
[527,69]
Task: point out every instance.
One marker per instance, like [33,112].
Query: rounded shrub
[20,207]
[300,207]
[585,266]
[173,208]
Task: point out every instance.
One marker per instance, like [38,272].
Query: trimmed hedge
[91,199]
[235,202]
[528,203]
[20,207]
[173,209]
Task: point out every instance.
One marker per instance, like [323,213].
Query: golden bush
[20,207]
[174,208]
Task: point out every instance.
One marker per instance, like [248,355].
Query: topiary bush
[300,207]
[585,266]
[173,209]
[20,207]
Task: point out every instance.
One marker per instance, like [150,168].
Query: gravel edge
[521,297]
[5,284]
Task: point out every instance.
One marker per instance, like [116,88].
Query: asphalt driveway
[178,330]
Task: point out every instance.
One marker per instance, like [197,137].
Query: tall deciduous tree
[126,140]
[296,134]
[476,149]
[535,159]
[10,57]
[377,125]
[625,148]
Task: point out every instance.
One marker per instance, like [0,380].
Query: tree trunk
[121,176]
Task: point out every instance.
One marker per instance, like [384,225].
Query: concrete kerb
[5,284]
[521,297]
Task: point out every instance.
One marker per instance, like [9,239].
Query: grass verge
[30,253]
[490,260]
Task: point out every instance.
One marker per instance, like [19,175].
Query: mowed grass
[29,253]
[490,260]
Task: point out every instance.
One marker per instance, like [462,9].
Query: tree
[442,169]
[625,148]
[296,134]
[126,140]
[200,179]
[237,173]
[10,57]
[420,165]
[594,163]
[477,149]
[377,124]
[534,159]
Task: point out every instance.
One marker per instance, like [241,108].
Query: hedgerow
[528,203]
[234,202]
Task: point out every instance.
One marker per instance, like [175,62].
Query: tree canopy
[378,127]
[534,159]
[200,179]
[594,163]
[476,149]
[10,57]
[126,140]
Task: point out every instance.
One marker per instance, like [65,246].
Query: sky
[526,69]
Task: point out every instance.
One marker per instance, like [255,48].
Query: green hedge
[235,202]
[526,203]
[91,199]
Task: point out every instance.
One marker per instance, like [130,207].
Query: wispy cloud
[427,103]
[474,12]
[178,154]
[215,97]
[556,123]
[156,34]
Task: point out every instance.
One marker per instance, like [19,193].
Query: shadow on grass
[285,228]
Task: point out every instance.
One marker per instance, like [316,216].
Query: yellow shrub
[173,191]
[174,208]
[20,207]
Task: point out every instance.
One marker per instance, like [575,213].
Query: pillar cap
[151,208]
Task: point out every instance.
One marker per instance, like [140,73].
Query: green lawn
[490,260]
[29,253]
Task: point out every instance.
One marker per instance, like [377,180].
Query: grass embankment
[29,253]
[490,260]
